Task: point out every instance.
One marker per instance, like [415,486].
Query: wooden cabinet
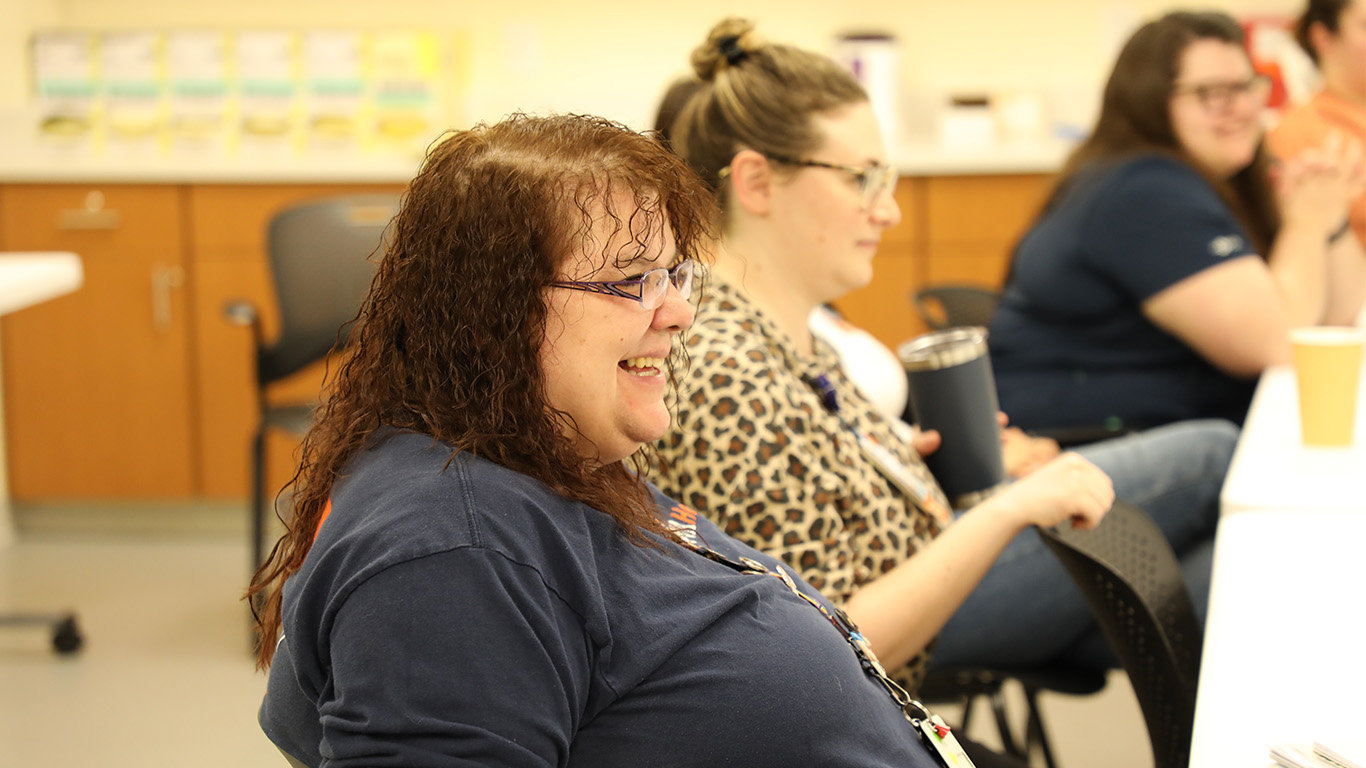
[972,223]
[136,387]
[954,229]
[98,395]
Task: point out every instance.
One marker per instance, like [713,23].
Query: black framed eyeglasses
[1217,97]
[648,288]
[873,179]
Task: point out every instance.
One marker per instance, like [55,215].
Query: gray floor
[165,678]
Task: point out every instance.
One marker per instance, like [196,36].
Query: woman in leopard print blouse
[770,435]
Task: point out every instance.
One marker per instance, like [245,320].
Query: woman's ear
[1320,37]
[751,180]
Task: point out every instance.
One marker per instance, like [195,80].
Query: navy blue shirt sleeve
[1157,224]
[420,677]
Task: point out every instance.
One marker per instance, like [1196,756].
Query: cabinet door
[228,243]
[97,383]
[972,223]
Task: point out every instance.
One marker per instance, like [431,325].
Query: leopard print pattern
[754,447]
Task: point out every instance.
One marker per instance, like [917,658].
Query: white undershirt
[867,362]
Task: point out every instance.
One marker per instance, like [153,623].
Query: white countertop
[47,166]
[24,161]
[1282,658]
[1282,661]
[28,278]
[1272,468]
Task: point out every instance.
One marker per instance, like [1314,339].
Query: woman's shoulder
[409,496]
[1151,183]
[1155,169]
[1310,123]
[729,333]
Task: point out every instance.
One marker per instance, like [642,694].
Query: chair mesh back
[1133,583]
[321,262]
[951,306]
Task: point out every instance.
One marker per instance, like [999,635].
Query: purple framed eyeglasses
[648,288]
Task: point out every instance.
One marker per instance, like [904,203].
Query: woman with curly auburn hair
[475,575]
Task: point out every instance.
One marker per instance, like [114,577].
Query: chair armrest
[240,312]
[1070,437]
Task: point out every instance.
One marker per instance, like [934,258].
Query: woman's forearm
[1346,281]
[1299,266]
[901,611]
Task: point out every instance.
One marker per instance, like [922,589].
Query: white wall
[614,57]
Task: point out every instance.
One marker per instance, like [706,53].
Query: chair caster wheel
[66,636]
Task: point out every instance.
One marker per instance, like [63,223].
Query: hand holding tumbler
[953,391]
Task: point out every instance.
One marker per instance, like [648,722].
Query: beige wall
[613,57]
[19,18]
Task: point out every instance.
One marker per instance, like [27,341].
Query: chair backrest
[321,263]
[950,306]
[1132,580]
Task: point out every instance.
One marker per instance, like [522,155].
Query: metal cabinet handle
[164,280]
[93,216]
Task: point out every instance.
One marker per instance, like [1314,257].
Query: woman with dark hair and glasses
[775,443]
[1333,33]
[1166,269]
[476,572]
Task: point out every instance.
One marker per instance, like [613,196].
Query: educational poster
[257,92]
[404,71]
[334,90]
[132,77]
[267,75]
[199,119]
[66,88]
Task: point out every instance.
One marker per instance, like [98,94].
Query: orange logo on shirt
[684,515]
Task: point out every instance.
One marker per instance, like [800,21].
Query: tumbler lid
[943,349]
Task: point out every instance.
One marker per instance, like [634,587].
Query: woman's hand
[1021,453]
[925,442]
[1068,487]
[1317,186]
[1025,453]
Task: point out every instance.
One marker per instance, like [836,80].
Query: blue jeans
[1027,612]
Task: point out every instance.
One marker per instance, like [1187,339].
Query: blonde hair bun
[728,43]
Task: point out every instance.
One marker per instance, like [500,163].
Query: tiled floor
[165,678]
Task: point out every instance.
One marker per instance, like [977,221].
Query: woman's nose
[885,211]
[676,313]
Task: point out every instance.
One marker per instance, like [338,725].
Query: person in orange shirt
[1333,33]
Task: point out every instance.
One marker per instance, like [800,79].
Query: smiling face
[1222,134]
[604,356]
[827,235]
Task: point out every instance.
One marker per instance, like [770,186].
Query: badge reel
[938,738]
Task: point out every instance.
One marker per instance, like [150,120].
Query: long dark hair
[1135,119]
[447,341]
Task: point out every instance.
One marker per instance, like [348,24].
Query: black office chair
[1132,580]
[964,685]
[320,261]
[950,306]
